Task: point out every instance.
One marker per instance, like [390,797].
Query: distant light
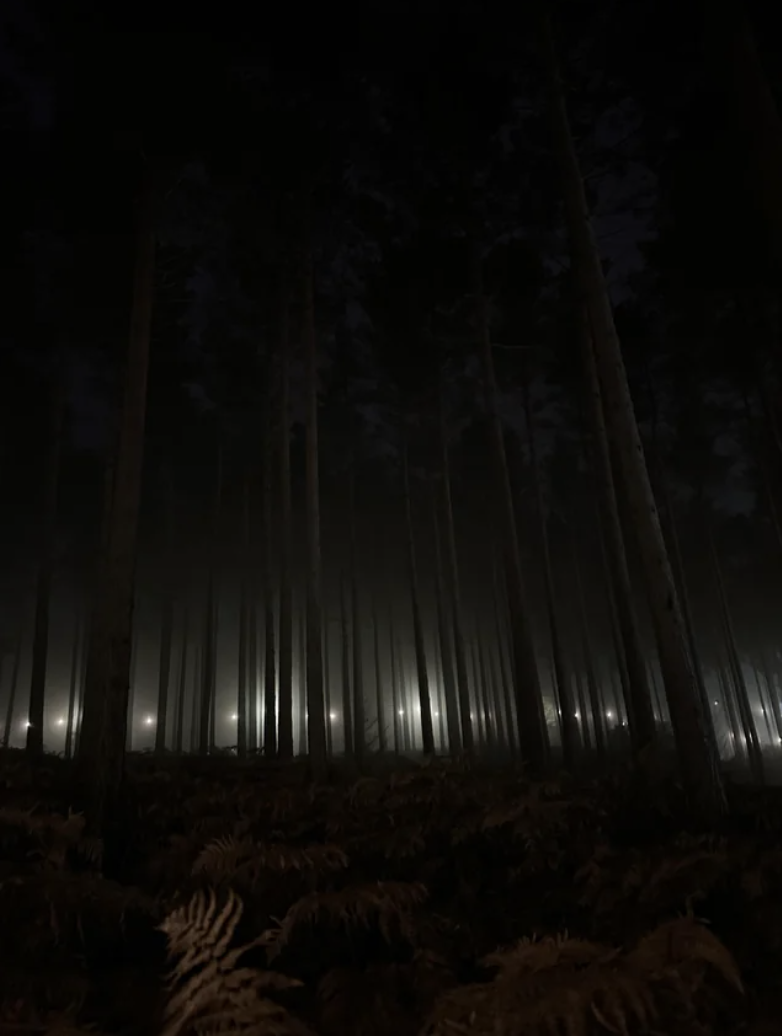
[401,712]
[26,724]
[435,713]
[609,714]
[716,703]
[148,721]
[472,715]
[234,716]
[577,715]
[332,716]
[60,722]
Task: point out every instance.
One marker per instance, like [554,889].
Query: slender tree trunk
[382,740]
[43,590]
[208,658]
[427,731]
[12,691]
[73,686]
[452,570]
[285,547]
[359,712]
[450,700]
[166,629]
[103,734]
[317,717]
[182,690]
[241,683]
[347,696]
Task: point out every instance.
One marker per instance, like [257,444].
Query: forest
[390,434]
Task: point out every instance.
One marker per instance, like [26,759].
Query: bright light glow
[577,715]
[435,713]
[26,724]
[234,716]
[401,712]
[332,716]
[472,715]
[60,722]
[148,721]
[716,703]
[610,714]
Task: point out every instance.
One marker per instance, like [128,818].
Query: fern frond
[388,904]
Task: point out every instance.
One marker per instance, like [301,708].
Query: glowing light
[26,724]
[148,721]
[577,715]
[472,715]
[234,716]
[716,703]
[609,714]
[435,713]
[60,722]
[401,712]
[332,716]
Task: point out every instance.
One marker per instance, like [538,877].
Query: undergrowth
[439,899]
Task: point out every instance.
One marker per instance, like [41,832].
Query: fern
[209,993]
[561,985]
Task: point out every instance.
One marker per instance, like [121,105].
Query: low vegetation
[439,899]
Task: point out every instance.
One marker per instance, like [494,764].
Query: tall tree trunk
[73,686]
[529,706]
[244,616]
[14,687]
[697,760]
[46,561]
[427,730]
[359,711]
[317,716]
[285,545]
[101,755]
[450,701]
[454,587]
[209,655]
[182,689]
[277,733]
[347,697]
[382,740]
[166,629]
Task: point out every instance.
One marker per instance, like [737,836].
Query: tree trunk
[180,711]
[450,700]
[101,756]
[46,561]
[209,648]
[697,760]
[317,717]
[359,711]
[347,696]
[73,686]
[166,631]
[244,618]
[427,730]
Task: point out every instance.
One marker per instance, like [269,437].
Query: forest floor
[435,898]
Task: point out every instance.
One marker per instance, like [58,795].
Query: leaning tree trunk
[529,706]
[316,709]
[697,761]
[427,730]
[103,734]
[43,590]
